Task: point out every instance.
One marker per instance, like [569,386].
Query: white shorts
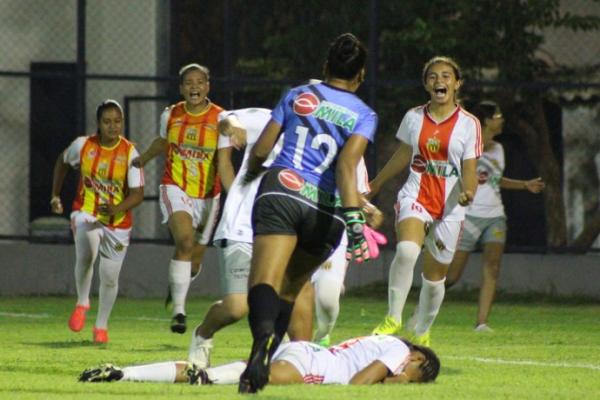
[442,236]
[204,212]
[302,355]
[113,242]
[335,267]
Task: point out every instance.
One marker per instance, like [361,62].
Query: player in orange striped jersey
[195,169]
[109,188]
[442,143]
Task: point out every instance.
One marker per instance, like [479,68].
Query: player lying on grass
[362,360]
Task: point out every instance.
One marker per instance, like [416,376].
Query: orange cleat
[77,320]
[100,335]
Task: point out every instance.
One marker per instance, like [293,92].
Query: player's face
[496,122]
[412,371]
[110,125]
[441,83]
[194,89]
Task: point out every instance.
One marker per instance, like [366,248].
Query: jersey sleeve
[473,142]
[278,113]
[164,120]
[403,133]
[394,355]
[367,126]
[72,154]
[135,176]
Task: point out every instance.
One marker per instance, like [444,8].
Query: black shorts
[286,204]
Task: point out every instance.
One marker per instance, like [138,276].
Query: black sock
[263,304]
[283,319]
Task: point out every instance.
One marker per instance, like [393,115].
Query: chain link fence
[62,58]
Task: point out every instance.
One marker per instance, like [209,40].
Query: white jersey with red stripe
[438,151]
[490,167]
[338,364]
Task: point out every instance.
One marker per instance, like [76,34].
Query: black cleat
[102,373]
[178,324]
[256,374]
[197,375]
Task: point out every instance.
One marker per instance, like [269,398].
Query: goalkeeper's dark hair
[346,58]
[105,105]
[430,367]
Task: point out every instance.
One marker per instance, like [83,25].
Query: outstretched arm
[262,149]
[535,185]
[393,167]
[158,146]
[58,177]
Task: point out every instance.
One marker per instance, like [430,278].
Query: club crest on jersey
[433,144]
[290,180]
[191,133]
[305,104]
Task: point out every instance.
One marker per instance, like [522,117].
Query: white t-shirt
[338,364]
[72,156]
[236,220]
[490,167]
[438,151]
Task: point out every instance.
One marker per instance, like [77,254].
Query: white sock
[401,276]
[179,282]
[327,305]
[86,250]
[430,301]
[109,287]
[226,374]
[159,372]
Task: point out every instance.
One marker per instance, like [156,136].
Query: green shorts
[234,265]
[478,231]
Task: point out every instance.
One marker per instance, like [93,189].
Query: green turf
[539,351]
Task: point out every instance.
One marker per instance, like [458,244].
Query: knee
[492,270]
[185,245]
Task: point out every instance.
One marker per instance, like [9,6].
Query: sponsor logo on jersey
[192,153]
[290,180]
[433,144]
[305,104]
[482,177]
[100,186]
[442,169]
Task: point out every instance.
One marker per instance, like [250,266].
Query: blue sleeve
[367,126]
[278,113]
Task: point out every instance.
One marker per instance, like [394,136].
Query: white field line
[45,315]
[525,362]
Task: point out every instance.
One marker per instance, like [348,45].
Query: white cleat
[200,350]
[483,328]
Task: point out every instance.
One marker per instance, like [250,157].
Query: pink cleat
[77,320]
[100,335]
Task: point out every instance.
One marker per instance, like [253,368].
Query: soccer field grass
[538,351]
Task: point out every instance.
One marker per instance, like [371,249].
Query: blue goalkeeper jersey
[316,121]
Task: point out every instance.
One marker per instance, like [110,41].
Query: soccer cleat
[256,374]
[325,341]
[102,373]
[422,340]
[77,319]
[483,328]
[197,375]
[100,335]
[178,324]
[389,326]
[200,350]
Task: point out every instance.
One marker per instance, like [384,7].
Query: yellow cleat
[423,340]
[389,326]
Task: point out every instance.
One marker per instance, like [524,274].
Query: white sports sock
[401,276]
[179,283]
[226,374]
[109,287]
[86,250]
[327,305]
[159,372]
[430,301]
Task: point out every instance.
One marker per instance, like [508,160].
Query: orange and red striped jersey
[106,175]
[438,151]
[191,160]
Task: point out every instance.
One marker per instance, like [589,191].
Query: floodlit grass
[539,351]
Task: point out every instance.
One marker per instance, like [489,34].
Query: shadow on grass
[88,343]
